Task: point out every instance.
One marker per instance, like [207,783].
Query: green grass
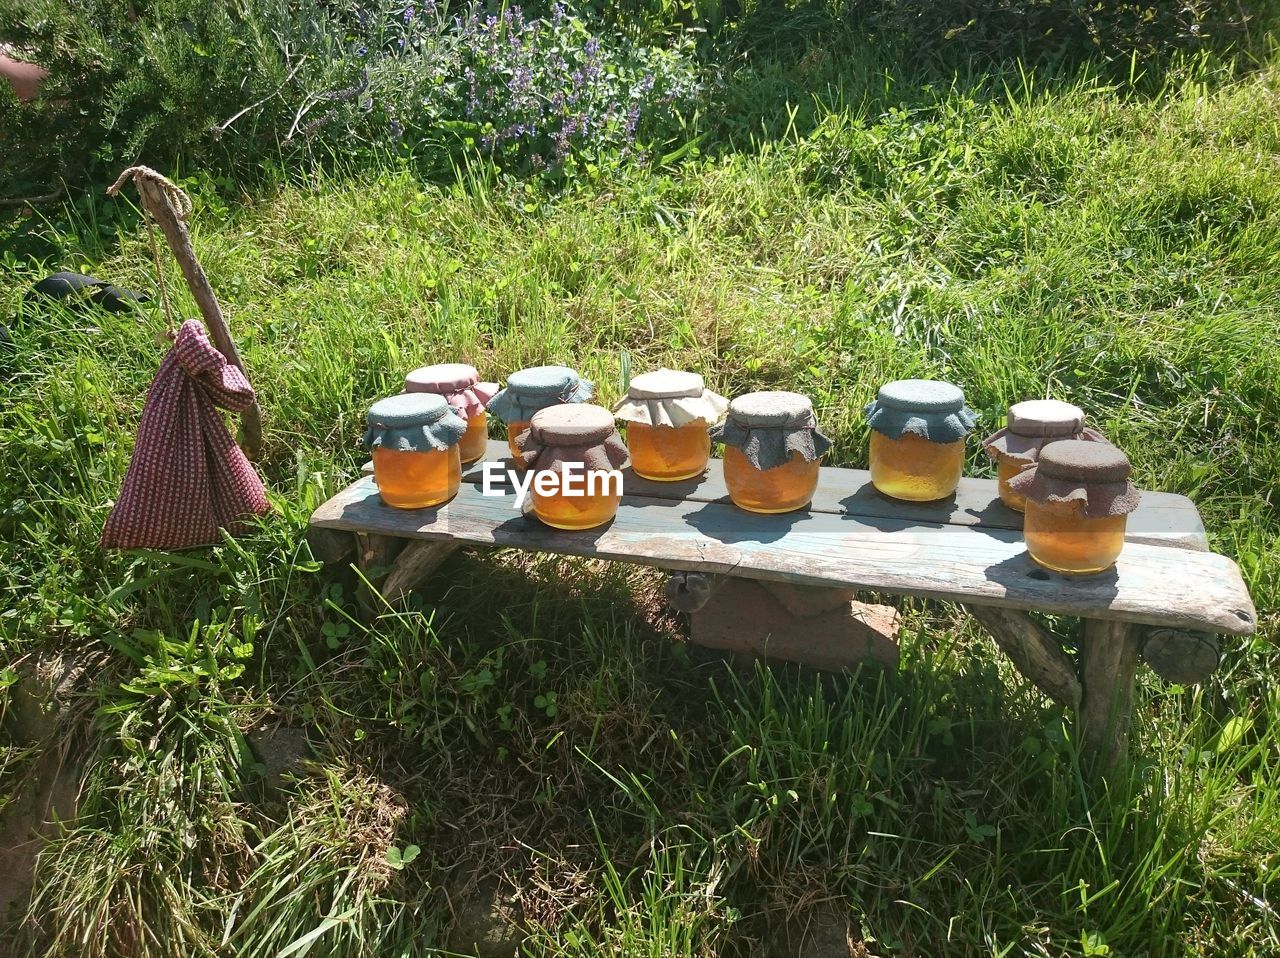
[1113,246]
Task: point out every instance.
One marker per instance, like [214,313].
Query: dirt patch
[41,717]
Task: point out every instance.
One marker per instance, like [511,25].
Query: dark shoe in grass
[78,288]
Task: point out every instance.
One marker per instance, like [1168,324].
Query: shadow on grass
[584,729]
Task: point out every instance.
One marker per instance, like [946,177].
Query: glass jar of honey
[918,429]
[1032,425]
[575,454]
[1078,497]
[461,388]
[532,389]
[772,451]
[668,414]
[414,440]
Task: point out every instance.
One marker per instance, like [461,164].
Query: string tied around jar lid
[670,397]
[768,427]
[927,408]
[1094,475]
[458,383]
[539,387]
[413,422]
[1034,424]
[578,433]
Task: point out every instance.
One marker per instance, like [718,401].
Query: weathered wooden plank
[1153,585]
[1108,661]
[1162,518]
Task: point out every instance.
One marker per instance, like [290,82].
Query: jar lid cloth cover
[1094,474]
[926,408]
[413,422]
[669,397]
[458,383]
[578,433]
[529,390]
[1035,423]
[769,426]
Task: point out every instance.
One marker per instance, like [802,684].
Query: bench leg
[1108,661]
[1035,653]
[394,567]
[415,564]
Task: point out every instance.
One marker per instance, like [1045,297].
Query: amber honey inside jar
[514,429]
[783,488]
[669,453]
[916,469]
[772,451]
[530,390]
[1006,468]
[1032,425]
[575,454]
[461,388]
[668,413]
[571,512]
[475,441]
[918,430]
[1060,537]
[416,480]
[414,440]
[1078,498]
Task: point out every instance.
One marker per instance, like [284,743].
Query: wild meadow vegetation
[821,205]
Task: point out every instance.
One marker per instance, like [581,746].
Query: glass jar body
[1061,537]
[1006,468]
[475,441]
[914,468]
[783,488]
[513,430]
[561,511]
[416,480]
[668,453]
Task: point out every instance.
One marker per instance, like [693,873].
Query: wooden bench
[1166,597]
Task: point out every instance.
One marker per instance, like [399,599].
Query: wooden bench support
[414,566]
[782,586]
[689,591]
[1181,656]
[1035,652]
[746,617]
[1108,661]
[394,567]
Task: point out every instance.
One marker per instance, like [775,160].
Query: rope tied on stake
[181,204]
[164,204]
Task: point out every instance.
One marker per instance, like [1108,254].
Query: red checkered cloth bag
[188,479]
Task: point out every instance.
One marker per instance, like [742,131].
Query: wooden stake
[159,196]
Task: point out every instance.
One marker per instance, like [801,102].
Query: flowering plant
[530,93]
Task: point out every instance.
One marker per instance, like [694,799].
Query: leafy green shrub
[229,84]
[1032,29]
